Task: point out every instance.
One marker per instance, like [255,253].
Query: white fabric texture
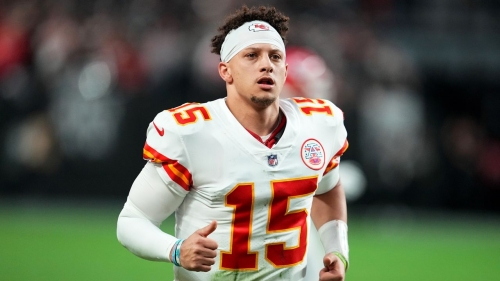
[209,163]
[149,203]
[247,34]
[333,235]
[329,181]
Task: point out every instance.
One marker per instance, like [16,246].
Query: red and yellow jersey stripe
[175,170]
[336,158]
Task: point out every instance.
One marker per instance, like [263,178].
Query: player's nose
[266,64]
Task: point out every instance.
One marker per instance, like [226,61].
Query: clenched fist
[334,269]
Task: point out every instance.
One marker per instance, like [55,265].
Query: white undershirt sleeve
[328,181]
[149,203]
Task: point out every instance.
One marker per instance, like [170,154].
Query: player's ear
[286,70]
[225,72]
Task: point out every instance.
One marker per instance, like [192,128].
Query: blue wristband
[177,256]
[173,257]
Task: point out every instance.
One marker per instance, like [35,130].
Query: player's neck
[261,122]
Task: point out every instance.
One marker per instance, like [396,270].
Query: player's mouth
[265,83]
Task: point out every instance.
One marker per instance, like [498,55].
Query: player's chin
[264,100]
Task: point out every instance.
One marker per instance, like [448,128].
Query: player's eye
[251,55]
[276,57]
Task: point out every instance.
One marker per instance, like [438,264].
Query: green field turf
[73,242]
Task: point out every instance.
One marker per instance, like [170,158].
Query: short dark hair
[268,14]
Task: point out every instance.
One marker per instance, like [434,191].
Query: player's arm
[329,208]
[156,193]
[149,203]
[329,214]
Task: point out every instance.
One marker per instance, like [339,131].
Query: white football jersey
[261,197]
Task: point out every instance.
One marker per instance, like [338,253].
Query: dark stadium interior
[417,80]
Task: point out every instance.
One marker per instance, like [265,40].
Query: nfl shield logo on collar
[272,160]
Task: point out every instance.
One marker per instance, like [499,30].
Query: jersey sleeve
[164,146]
[149,203]
[331,175]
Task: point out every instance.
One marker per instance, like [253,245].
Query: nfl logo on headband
[272,160]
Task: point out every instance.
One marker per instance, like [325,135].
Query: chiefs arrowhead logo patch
[313,154]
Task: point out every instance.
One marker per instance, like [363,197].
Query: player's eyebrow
[273,50]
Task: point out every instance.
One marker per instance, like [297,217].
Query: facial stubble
[262,102]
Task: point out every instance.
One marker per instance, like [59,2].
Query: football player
[246,174]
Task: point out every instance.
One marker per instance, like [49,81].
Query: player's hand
[334,269]
[198,251]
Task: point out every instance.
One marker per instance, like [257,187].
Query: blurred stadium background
[417,81]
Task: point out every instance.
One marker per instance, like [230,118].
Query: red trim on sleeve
[175,170]
[336,158]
